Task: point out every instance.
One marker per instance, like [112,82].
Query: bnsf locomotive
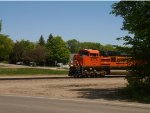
[95,63]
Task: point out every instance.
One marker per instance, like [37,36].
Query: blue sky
[84,21]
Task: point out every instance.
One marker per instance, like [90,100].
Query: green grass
[30,71]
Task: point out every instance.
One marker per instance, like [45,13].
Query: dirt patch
[84,88]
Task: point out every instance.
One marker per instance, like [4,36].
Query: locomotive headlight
[90,68]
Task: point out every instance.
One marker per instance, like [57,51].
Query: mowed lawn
[31,71]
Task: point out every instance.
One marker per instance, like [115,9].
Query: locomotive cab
[87,63]
[89,58]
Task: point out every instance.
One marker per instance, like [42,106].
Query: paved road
[10,104]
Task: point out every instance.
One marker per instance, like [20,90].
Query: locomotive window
[84,53]
[93,54]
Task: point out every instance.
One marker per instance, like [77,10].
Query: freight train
[95,63]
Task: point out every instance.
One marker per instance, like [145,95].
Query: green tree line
[75,45]
[40,53]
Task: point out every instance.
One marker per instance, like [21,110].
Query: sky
[85,21]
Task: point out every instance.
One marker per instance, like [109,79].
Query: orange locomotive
[92,63]
[118,60]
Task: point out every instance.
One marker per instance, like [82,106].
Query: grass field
[30,71]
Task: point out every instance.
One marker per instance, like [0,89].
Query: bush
[138,89]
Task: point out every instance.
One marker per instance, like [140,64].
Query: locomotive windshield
[93,54]
[84,53]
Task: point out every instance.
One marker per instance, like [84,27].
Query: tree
[36,55]
[41,41]
[90,45]
[73,45]
[6,46]
[50,37]
[136,20]
[20,47]
[108,47]
[57,51]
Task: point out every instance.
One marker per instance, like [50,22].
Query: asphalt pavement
[12,104]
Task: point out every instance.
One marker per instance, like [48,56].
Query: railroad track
[34,78]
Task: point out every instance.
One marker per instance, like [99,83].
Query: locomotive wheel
[95,75]
[103,73]
[86,76]
[77,73]
[76,76]
[92,76]
[71,71]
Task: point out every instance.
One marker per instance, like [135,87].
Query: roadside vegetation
[136,20]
